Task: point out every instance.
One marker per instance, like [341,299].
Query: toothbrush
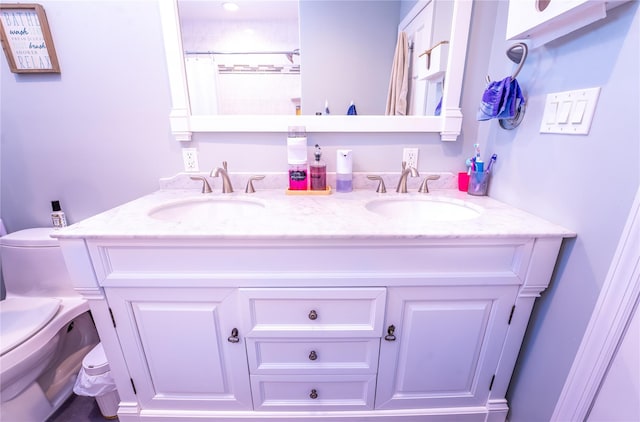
[493,159]
[479,164]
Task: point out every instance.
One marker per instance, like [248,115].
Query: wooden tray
[327,191]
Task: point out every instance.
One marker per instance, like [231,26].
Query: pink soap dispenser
[297,158]
[318,171]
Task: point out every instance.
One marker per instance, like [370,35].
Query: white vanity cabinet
[182,346]
[366,323]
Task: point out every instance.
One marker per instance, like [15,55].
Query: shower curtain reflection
[243,83]
[202,80]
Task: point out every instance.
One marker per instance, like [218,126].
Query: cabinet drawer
[313,356]
[313,392]
[314,312]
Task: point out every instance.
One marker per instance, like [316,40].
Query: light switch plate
[570,112]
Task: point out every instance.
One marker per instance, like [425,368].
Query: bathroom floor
[78,409]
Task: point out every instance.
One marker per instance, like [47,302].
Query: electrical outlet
[190,158]
[410,156]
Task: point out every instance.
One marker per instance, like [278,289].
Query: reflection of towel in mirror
[399,83]
[438,108]
[501,100]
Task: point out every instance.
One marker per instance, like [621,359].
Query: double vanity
[358,306]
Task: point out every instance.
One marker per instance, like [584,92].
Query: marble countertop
[334,216]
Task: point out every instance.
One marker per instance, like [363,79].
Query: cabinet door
[444,347]
[180,347]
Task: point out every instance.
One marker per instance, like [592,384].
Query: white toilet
[45,331]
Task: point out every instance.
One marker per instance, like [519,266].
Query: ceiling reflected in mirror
[242,61]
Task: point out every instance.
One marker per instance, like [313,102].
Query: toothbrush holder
[478,183]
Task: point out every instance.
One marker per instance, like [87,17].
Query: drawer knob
[314,394]
[390,333]
[233,338]
[313,355]
[313,315]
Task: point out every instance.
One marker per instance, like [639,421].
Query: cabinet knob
[313,355]
[313,315]
[314,394]
[390,333]
[233,338]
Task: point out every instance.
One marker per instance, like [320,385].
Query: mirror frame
[448,124]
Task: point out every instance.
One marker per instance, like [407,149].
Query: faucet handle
[206,187]
[424,188]
[250,188]
[381,187]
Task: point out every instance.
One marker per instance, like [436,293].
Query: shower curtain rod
[293,52]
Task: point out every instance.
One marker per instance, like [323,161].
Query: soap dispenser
[297,158]
[57,215]
[318,171]
[344,170]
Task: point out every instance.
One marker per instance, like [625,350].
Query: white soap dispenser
[344,170]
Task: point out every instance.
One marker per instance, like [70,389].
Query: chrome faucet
[222,172]
[406,171]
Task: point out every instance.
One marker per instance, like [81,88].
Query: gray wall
[585,183]
[97,136]
[353,44]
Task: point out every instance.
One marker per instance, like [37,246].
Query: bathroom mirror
[184,122]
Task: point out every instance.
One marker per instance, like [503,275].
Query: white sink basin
[423,209]
[202,210]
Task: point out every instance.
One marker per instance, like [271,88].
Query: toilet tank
[33,265]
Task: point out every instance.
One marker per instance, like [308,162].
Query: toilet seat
[95,362]
[22,317]
[36,237]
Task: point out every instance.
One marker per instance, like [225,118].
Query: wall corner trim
[606,329]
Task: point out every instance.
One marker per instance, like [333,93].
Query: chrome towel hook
[517,53]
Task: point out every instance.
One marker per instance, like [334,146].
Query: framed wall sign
[26,39]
